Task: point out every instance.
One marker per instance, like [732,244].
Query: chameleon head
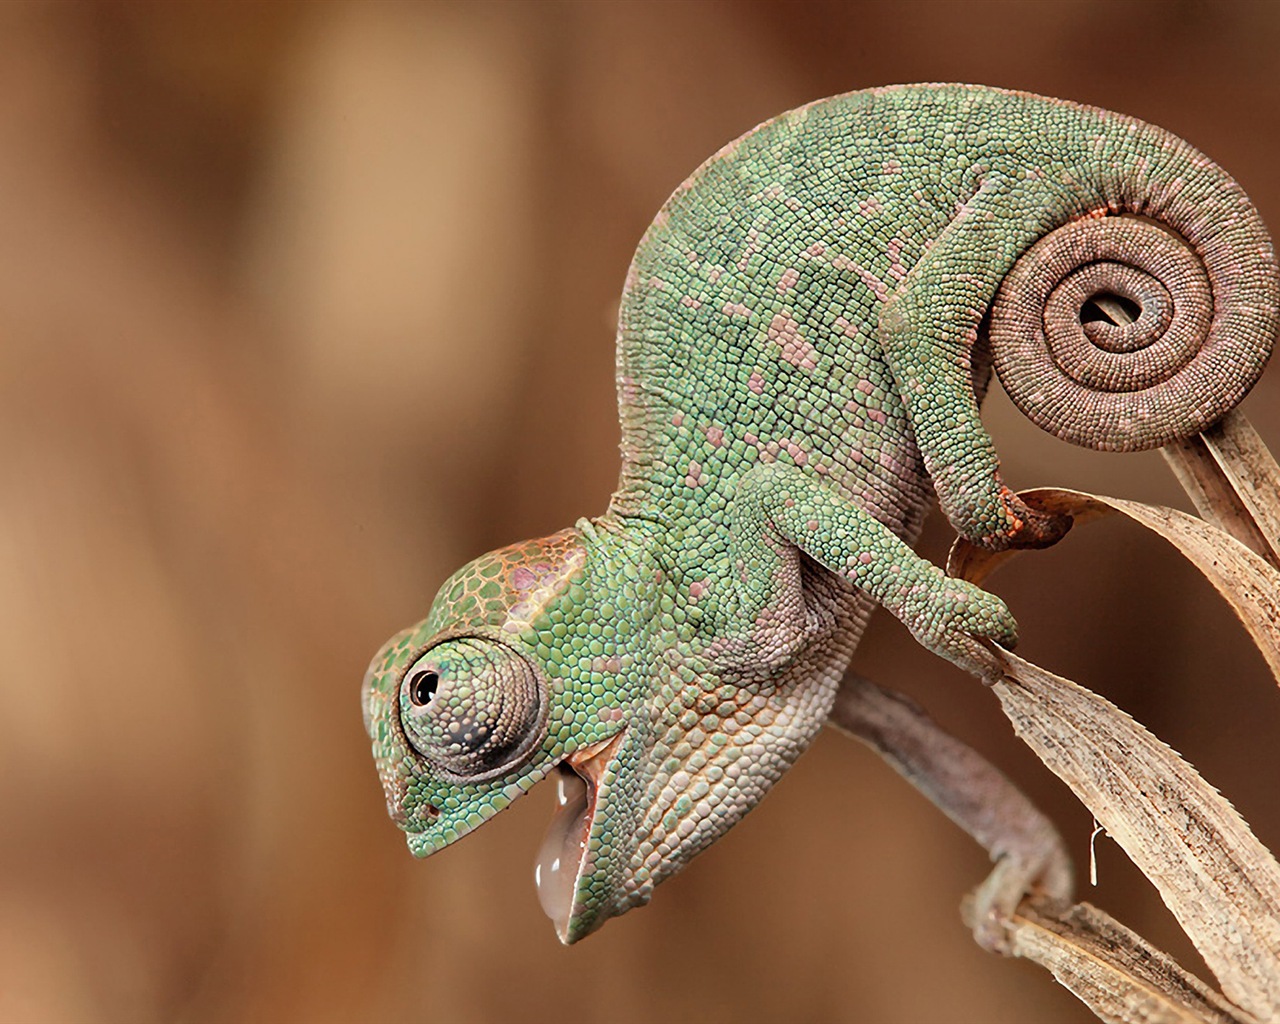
[471,707]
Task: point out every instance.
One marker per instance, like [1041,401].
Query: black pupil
[423,687]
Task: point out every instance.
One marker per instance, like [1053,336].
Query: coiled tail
[1202,295]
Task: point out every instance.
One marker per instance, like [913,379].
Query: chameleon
[806,332]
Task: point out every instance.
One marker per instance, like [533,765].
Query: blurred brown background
[303,306]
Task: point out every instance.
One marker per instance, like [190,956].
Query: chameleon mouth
[562,858]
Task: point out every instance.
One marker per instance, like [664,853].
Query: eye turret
[473,707]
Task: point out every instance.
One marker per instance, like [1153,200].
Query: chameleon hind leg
[780,512]
[928,330]
[1029,855]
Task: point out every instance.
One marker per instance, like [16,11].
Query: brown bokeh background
[303,306]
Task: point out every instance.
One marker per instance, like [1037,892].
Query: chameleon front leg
[780,512]
[1029,855]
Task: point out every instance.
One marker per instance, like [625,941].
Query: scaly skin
[799,369]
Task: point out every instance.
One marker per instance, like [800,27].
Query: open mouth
[562,857]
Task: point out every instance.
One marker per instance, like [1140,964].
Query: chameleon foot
[951,618]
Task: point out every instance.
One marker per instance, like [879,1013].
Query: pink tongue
[557,869]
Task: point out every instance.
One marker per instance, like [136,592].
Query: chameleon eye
[473,707]
[422,687]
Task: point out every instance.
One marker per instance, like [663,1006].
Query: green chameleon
[806,331]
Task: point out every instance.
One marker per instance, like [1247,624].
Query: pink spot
[846,327]
[755,383]
[896,270]
[817,249]
[695,477]
[657,284]
[785,332]
[677,420]
[866,557]
[697,588]
[691,302]
[877,286]
[870,206]
[715,437]
[877,415]
[735,309]
[798,455]
[811,525]
[791,203]
[751,439]
[714,274]
[789,503]
[891,167]
[865,386]
[788,280]
[522,578]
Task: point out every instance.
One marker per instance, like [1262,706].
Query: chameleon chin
[805,335]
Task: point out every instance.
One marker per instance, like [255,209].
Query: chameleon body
[802,347]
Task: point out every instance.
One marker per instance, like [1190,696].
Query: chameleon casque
[806,332]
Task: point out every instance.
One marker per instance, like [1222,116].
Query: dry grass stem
[1234,482]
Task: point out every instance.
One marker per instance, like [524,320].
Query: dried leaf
[1114,971]
[1221,884]
[1218,880]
